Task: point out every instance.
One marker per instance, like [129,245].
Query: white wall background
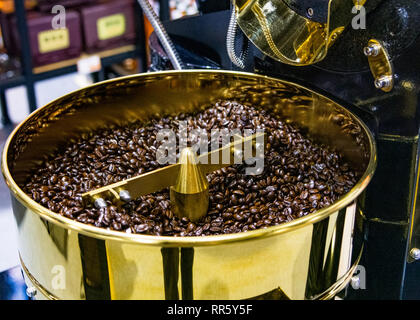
[18,108]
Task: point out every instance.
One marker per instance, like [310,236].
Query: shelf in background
[129,50]
[12,82]
[108,57]
[31,75]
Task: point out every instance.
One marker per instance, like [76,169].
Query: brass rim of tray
[170,241]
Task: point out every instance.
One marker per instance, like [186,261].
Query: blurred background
[42,59]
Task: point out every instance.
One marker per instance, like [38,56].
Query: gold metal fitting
[288,36]
[190,194]
[380,65]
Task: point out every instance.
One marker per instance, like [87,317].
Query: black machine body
[345,75]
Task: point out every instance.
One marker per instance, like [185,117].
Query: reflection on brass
[334,35]
[380,65]
[31,281]
[359,3]
[276,294]
[234,266]
[189,194]
[284,35]
[337,287]
[414,234]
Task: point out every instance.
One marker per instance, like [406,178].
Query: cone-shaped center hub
[190,195]
[190,179]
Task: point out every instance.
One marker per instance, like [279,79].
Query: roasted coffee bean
[299,177]
[315,197]
[239,193]
[271,196]
[304,195]
[141,228]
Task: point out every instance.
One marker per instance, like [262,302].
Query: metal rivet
[310,12]
[355,282]
[371,50]
[31,292]
[415,253]
[125,196]
[100,203]
[383,82]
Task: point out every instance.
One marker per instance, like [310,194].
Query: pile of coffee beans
[299,177]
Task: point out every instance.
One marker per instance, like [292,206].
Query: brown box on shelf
[108,24]
[47,5]
[50,45]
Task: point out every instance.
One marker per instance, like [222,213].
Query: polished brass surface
[41,293]
[284,35]
[414,234]
[190,193]
[143,184]
[380,65]
[359,3]
[305,258]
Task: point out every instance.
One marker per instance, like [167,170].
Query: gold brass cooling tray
[312,257]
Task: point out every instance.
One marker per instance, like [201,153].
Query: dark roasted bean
[141,228]
[304,195]
[239,193]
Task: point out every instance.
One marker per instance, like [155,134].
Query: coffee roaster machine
[368,63]
[351,84]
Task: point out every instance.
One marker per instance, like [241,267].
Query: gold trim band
[47,294]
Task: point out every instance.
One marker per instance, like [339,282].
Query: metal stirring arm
[189,186]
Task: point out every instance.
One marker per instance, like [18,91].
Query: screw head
[310,12]
[355,282]
[415,253]
[383,82]
[100,203]
[371,50]
[125,196]
[367,51]
[31,292]
[379,84]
